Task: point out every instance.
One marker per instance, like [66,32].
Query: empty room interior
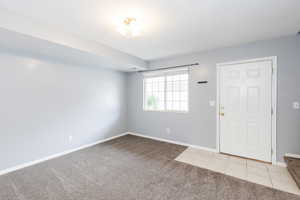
[149,100]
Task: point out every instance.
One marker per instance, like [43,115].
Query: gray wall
[42,103]
[198,127]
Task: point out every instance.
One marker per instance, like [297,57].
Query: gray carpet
[128,168]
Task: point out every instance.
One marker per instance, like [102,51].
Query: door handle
[222,114]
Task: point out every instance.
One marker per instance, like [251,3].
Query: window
[154,92]
[166,92]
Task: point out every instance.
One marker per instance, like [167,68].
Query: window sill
[167,111]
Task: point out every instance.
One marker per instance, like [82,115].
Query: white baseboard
[173,142]
[292,155]
[18,167]
[11,169]
[281,164]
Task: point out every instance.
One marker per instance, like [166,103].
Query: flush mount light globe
[130,27]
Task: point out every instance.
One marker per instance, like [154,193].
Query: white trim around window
[166,91]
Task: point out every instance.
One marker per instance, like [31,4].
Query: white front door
[245,109]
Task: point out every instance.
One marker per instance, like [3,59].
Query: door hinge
[272,152]
[272,70]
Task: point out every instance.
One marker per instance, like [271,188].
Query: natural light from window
[166,93]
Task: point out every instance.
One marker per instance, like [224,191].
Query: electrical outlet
[296,105]
[168,131]
[212,103]
[70,138]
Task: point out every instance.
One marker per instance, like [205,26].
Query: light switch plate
[212,103]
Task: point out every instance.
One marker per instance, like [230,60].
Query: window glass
[166,93]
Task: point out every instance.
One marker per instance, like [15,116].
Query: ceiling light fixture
[130,27]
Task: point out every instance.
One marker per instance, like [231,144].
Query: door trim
[273,59]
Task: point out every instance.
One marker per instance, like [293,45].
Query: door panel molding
[273,60]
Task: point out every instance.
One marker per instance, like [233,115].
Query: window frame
[165,110]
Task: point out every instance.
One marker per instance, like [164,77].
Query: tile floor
[261,173]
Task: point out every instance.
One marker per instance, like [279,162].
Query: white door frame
[273,59]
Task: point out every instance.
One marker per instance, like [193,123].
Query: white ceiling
[171,27]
